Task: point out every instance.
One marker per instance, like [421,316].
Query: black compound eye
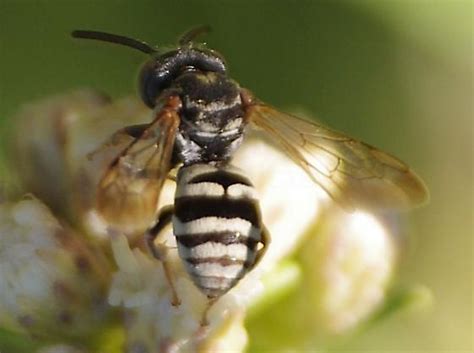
[150,83]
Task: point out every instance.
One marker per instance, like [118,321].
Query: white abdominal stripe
[210,252]
[214,287]
[235,191]
[215,267]
[201,189]
[208,259]
[216,230]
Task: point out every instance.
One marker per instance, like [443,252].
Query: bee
[200,116]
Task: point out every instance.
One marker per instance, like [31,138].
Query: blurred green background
[397,74]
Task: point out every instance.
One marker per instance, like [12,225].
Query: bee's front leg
[160,250]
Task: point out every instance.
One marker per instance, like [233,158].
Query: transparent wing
[353,173]
[129,190]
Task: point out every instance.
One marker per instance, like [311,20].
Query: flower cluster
[66,275]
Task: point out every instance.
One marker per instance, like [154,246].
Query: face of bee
[158,73]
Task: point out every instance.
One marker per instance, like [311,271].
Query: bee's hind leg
[203,330]
[160,250]
[204,320]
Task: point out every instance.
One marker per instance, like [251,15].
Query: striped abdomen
[217,226]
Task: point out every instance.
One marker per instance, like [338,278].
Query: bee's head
[158,73]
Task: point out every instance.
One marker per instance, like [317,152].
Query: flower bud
[44,151]
[349,265]
[51,283]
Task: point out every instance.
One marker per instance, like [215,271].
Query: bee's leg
[204,321]
[160,250]
[171,177]
[266,239]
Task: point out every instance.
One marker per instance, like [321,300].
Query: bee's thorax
[212,121]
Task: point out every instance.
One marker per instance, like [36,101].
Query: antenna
[116,39]
[190,35]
